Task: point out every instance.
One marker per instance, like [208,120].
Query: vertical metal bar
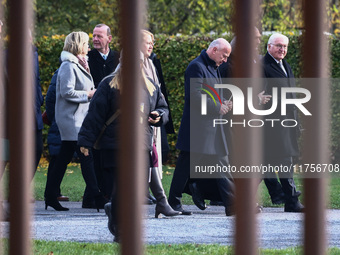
[316,138]
[247,151]
[21,98]
[132,172]
[2,120]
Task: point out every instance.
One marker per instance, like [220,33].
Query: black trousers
[64,158]
[39,146]
[221,188]
[51,164]
[104,175]
[180,179]
[286,179]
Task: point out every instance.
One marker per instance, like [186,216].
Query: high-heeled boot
[54,203]
[162,205]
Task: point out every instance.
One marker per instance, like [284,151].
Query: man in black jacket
[274,187]
[200,143]
[102,62]
[281,143]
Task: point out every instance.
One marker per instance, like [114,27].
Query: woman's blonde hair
[116,82]
[146,33]
[74,42]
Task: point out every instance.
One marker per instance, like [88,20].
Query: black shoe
[180,209]
[148,201]
[217,203]
[152,198]
[197,197]
[116,239]
[279,199]
[229,211]
[295,207]
[55,205]
[107,208]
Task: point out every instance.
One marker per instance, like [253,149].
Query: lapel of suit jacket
[277,67]
[288,69]
[290,75]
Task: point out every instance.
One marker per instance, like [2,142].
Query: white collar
[277,61]
[104,54]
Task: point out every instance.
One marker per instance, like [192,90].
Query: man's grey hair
[104,25]
[218,43]
[273,37]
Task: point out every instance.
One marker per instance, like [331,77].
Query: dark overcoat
[280,141]
[203,136]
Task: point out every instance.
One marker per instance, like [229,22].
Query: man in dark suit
[203,143]
[281,142]
[102,62]
[274,187]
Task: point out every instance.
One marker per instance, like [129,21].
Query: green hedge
[176,52]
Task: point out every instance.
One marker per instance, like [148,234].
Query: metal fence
[21,129]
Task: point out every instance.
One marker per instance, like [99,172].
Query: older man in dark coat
[202,143]
[281,142]
[102,62]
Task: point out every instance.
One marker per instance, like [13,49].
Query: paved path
[275,228]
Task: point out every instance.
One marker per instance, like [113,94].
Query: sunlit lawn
[73,186]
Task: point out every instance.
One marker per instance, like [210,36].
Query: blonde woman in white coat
[74,90]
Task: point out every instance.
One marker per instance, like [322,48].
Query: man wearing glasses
[281,142]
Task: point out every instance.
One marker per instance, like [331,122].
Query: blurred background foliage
[176,52]
[172,16]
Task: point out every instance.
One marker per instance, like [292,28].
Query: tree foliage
[282,15]
[190,16]
[64,16]
[172,16]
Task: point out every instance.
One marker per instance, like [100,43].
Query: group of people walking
[83,108]
[210,146]
[82,105]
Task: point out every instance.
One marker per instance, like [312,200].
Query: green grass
[73,185]
[73,248]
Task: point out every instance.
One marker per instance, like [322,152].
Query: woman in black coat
[105,104]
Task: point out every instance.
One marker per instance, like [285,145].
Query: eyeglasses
[280,46]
